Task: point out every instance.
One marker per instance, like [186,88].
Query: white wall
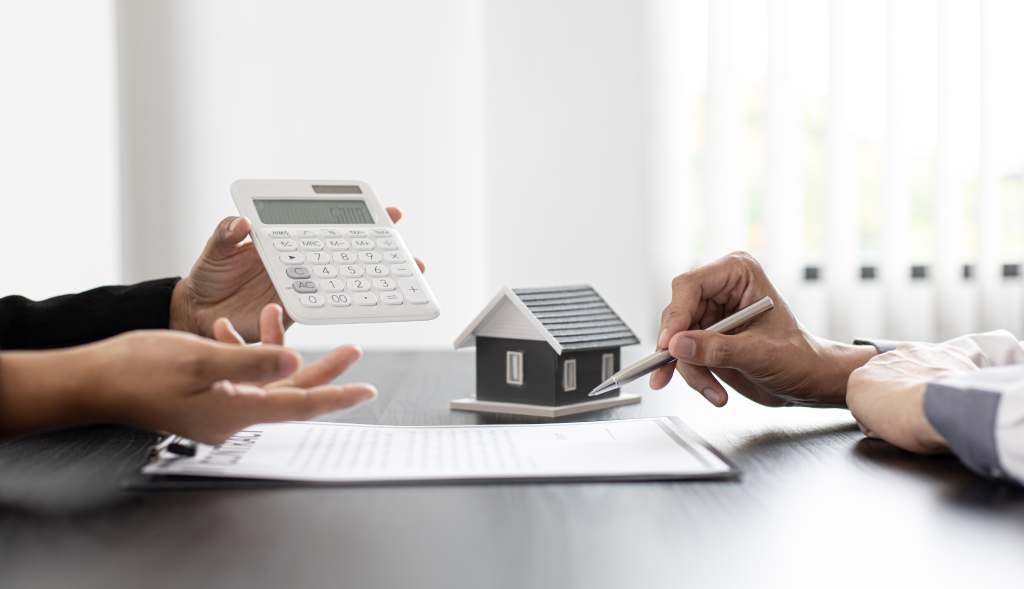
[613,142]
[566,125]
[381,91]
[58,205]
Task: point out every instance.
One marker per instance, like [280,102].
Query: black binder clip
[176,445]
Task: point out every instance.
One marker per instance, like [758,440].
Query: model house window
[607,366]
[569,375]
[514,368]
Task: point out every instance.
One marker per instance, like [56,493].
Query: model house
[540,348]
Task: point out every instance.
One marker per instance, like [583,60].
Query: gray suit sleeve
[981,416]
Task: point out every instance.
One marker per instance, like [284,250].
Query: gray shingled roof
[577,317]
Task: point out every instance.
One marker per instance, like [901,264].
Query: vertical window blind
[869,152]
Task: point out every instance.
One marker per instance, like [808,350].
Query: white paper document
[652,448]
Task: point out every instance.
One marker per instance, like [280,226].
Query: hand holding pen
[771,359]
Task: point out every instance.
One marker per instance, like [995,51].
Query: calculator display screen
[313,212]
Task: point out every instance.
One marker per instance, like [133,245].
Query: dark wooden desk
[817,505]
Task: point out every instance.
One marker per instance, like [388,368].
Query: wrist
[841,360]
[181,318]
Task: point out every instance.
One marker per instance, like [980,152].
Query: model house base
[478,406]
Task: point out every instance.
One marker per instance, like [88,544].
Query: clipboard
[325,453]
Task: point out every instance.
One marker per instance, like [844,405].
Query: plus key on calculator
[332,252]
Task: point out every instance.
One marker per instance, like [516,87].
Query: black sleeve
[93,315]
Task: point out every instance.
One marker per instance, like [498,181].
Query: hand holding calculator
[333,253]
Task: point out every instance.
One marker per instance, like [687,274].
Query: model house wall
[529,371]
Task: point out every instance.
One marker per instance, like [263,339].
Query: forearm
[81,318]
[43,390]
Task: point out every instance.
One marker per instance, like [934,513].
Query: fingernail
[712,395]
[369,395]
[684,347]
[663,339]
[232,225]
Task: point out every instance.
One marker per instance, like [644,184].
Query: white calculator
[333,253]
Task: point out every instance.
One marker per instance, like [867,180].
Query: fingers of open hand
[272,324]
[326,369]
[215,361]
[224,331]
[241,405]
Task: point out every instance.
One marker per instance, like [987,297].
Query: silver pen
[658,359]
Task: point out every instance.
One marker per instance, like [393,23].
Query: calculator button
[413,291]
[277,233]
[352,271]
[319,257]
[339,300]
[367,299]
[286,245]
[376,270]
[356,232]
[381,232]
[332,285]
[325,271]
[312,300]
[304,286]
[311,244]
[391,298]
[387,244]
[331,232]
[337,244]
[394,257]
[401,270]
[358,284]
[297,272]
[383,284]
[345,257]
[369,257]
[293,258]
[305,233]
[361,243]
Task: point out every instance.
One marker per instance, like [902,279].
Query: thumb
[228,234]
[254,364]
[715,350]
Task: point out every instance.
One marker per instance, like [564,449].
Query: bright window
[514,368]
[607,366]
[569,375]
